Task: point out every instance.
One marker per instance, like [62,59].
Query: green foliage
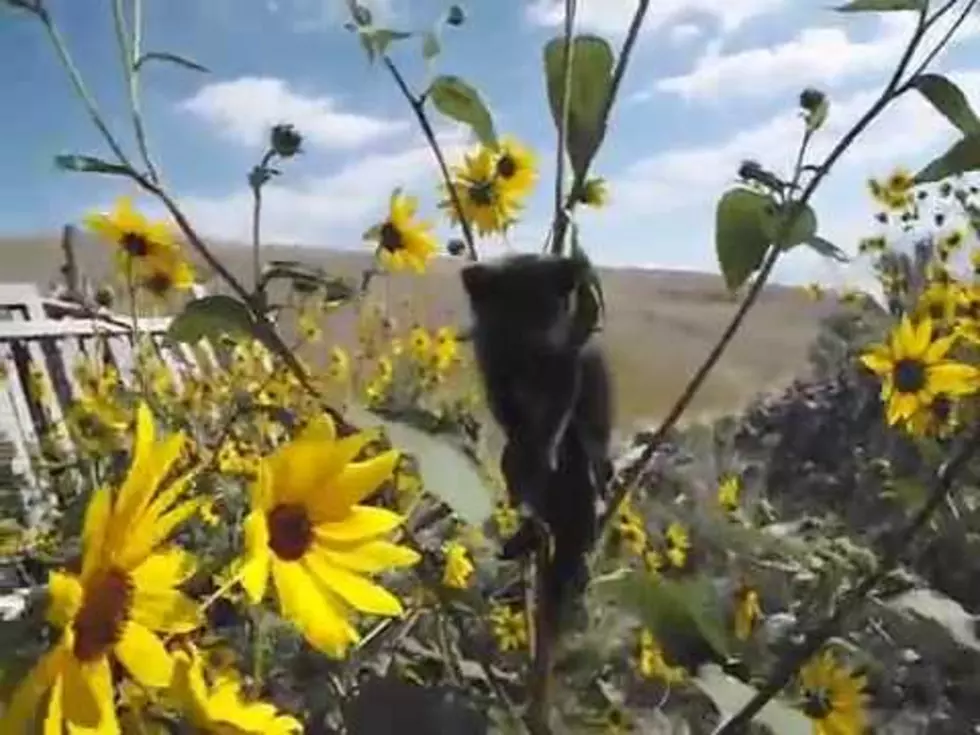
[588,93]
[308,279]
[949,100]
[447,472]
[88,164]
[210,318]
[827,249]
[743,223]
[459,101]
[962,157]
[802,227]
[170,59]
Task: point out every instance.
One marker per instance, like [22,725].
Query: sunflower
[139,241]
[509,627]
[833,697]
[482,195]
[307,531]
[459,568]
[515,168]
[914,369]
[165,274]
[404,243]
[506,519]
[652,662]
[938,303]
[678,544]
[125,594]
[219,706]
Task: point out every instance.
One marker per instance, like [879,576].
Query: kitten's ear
[476,280]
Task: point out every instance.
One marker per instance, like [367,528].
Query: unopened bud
[811,99]
[456,247]
[104,297]
[286,140]
[456,17]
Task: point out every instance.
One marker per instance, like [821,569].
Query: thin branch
[898,546]
[257,180]
[568,55]
[942,43]
[418,109]
[130,51]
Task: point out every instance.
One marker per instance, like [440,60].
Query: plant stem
[562,220]
[130,52]
[257,182]
[634,472]
[418,109]
[899,545]
[566,93]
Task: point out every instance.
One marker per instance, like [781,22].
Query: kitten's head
[527,289]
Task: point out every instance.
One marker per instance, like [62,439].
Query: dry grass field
[660,324]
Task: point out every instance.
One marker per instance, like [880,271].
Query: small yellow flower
[339,367]
[729,492]
[653,560]
[833,697]
[938,303]
[507,519]
[140,243]
[914,369]
[309,326]
[595,193]
[308,531]
[165,274]
[509,627]
[446,348]
[403,242]
[515,168]
[459,568]
[652,663]
[951,242]
[872,245]
[747,612]
[485,202]
[219,705]
[678,544]
[420,344]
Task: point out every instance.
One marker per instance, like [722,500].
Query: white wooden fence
[47,336]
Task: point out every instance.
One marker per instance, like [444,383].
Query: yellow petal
[64,598]
[147,537]
[87,693]
[188,686]
[370,557]
[144,656]
[309,464]
[359,592]
[922,332]
[255,569]
[303,602]
[878,360]
[95,528]
[54,719]
[364,522]
[23,704]
[938,349]
[953,378]
[357,481]
[167,568]
[138,486]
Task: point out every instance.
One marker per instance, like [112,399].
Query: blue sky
[712,82]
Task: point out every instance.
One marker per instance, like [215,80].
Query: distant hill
[660,324]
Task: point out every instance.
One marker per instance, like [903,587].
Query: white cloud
[817,55]
[684,32]
[244,109]
[613,16]
[326,210]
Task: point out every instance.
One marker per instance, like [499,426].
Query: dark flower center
[936,310]
[290,531]
[159,283]
[391,238]
[817,704]
[481,193]
[910,376]
[506,166]
[135,245]
[105,609]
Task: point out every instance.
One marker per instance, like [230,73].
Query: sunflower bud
[104,297]
[361,14]
[285,140]
[455,17]
[456,247]
[811,99]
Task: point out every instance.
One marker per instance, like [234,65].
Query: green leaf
[743,226]
[430,45]
[949,101]
[879,6]
[171,58]
[804,226]
[447,472]
[684,612]
[456,99]
[307,278]
[827,249]
[591,77]
[730,695]
[209,318]
[89,164]
[963,156]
